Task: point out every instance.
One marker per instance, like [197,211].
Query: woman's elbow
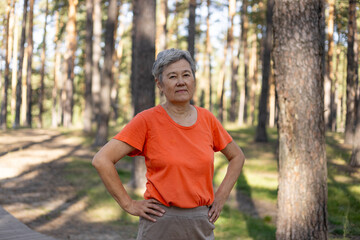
[96,161]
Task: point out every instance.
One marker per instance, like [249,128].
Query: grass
[258,180]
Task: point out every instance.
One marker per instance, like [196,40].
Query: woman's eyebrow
[184,71]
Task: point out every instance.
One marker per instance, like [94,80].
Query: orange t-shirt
[179,160]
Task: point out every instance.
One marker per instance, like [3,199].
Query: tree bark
[209,90]
[88,66]
[244,93]
[21,60]
[14,69]
[191,28]
[30,43]
[261,135]
[143,56]
[352,74]
[298,60]
[4,103]
[43,54]
[69,59]
[234,95]
[54,112]
[161,29]
[253,69]
[329,85]
[106,80]
[96,55]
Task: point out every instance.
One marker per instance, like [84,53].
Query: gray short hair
[169,56]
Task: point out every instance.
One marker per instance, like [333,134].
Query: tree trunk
[253,63]
[352,74]
[209,90]
[4,103]
[221,84]
[69,63]
[330,107]
[96,55]
[234,95]
[243,115]
[261,135]
[88,66]
[14,70]
[191,28]
[355,156]
[143,56]
[21,60]
[30,43]
[43,54]
[298,60]
[54,112]
[161,28]
[106,80]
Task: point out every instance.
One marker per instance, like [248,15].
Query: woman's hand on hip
[143,208]
[215,209]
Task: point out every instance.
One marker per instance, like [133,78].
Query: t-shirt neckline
[178,125]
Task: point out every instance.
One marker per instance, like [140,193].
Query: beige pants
[178,224]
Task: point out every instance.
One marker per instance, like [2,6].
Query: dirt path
[33,188]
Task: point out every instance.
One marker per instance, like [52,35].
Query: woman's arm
[236,161]
[104,162]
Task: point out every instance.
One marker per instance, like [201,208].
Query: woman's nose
[180,81]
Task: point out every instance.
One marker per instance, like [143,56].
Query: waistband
[185,212]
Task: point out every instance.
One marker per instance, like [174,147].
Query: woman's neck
[183,114]
[178,109]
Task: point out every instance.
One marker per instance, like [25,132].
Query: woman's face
[178,82]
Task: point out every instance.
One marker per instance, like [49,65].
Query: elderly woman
[178,141]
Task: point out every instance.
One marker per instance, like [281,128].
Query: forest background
[87,64]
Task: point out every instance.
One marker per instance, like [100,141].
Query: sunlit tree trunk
[14,70]
[106,80]
[54,113]
[69,59]
[352,74]
[330,109]
[234,95]
[30,43]
[261,135]
[244,93]
[88,66]
[191,28]
[142,82]
[253,68]
[96,55]
[21,61]
[298,60]
[161,27]
[4,103]
[43,54]
[222,74]
[115,89]
[272,102]
[208,90]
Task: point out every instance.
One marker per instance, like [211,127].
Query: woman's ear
[158,84]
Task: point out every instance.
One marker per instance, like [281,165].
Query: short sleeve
[134,134]
[221,138]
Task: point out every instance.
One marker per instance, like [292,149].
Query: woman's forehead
[179,66]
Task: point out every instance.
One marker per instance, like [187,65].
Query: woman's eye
[172,77]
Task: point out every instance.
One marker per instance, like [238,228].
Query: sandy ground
[33,189]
